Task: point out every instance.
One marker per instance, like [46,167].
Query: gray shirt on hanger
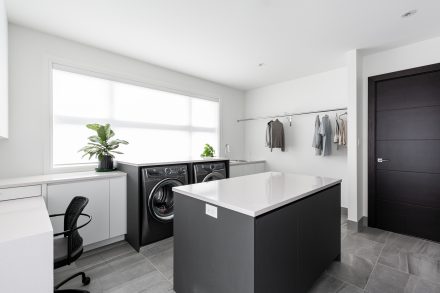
[326,133]
[317,138]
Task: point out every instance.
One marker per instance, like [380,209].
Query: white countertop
[58,178]
[243,162]
[256,194]
[23,217]
[152,162]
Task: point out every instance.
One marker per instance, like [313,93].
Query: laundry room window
[159,125]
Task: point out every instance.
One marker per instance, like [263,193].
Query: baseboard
[364,222]
[104,243]
[344,211]
[358,226]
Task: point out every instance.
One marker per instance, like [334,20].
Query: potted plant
[100,146]
[208,151]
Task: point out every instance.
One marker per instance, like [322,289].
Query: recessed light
[409,13]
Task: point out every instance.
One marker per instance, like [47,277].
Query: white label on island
[211,211]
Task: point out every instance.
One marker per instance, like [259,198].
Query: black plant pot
[106,164]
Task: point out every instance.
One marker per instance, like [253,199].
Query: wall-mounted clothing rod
[291,114]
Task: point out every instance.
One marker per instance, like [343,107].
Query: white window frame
[78,69]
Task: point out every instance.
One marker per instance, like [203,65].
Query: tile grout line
[368,279]
[102,262]
[377,260]
[333,276]
[408,273]
[340,287]
[346,282]
[154,266]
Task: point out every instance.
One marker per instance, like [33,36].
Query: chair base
[85,280]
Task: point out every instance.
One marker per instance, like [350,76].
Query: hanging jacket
[317,138]
[275,135]
[326,133]
[337,131]
[343,132]
[268,133]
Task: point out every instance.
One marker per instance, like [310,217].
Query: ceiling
[226,40]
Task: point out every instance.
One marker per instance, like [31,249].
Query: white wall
[321,91]
[3,71]
[405,57]
[25,153]
[354,156]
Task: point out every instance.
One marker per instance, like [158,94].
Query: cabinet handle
[380,160]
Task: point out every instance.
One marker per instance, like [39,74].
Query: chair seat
[60,252]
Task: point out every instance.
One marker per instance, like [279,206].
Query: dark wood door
[404,152]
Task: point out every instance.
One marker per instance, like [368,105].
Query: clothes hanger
[339,116]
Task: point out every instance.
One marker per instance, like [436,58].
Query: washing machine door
[213,176]
[161,200]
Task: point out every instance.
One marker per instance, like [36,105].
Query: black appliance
[157,210]
[144,224]
[210,171]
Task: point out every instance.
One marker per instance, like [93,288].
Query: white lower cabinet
[107,206]
[236,170]
[118,206]
[246,169]
[259,168]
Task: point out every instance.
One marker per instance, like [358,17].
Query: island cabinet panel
[294,244]
[319,234]
[214,255]
[276,251]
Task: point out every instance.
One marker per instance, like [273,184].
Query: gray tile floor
[372,261]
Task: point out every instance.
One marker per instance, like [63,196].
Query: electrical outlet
[211,211]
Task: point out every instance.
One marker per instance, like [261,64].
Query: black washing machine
[209,171]
[158,200]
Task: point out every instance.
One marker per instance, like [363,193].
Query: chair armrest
[56,215]
[68,232]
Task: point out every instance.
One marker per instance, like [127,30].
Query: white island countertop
[256,194]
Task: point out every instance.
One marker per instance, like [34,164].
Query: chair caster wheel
[86,280]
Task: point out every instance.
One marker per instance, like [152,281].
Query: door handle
[380,160]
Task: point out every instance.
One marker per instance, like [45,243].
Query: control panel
[165,171]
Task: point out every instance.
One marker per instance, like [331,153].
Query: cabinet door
[236,170]
[259,168]
[118,206]
[248,169]
[319,233]
[97,191]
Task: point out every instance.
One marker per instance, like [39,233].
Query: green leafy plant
[100,145]
[208,151]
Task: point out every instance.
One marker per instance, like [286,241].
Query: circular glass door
[213,176]
[161,200]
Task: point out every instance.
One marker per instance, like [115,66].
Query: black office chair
[70,247]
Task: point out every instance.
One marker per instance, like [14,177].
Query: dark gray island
[268,232]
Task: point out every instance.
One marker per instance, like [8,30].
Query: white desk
[26,246]
[26,233]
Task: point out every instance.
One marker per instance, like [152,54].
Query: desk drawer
[20,192]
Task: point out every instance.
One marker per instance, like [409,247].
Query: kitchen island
[267,232]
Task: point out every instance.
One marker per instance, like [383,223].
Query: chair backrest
[73,212]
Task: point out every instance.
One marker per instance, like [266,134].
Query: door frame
[372,81]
